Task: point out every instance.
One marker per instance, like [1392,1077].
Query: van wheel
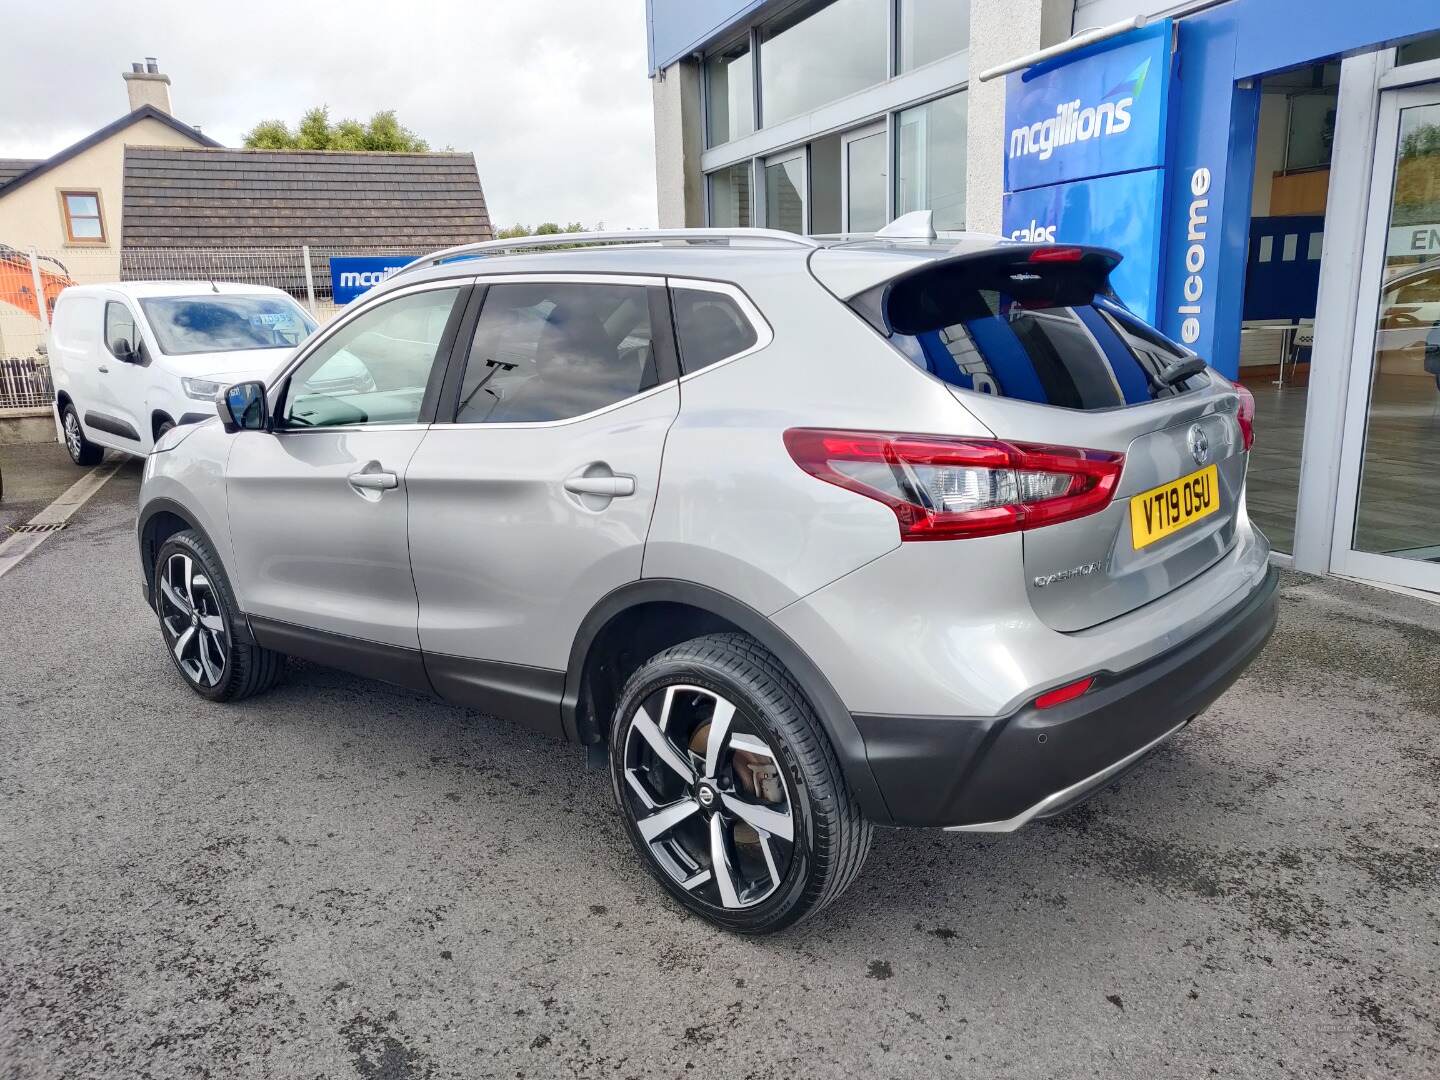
[197,618]
[82,450]
[730,789]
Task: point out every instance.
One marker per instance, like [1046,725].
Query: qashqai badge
[1199,445]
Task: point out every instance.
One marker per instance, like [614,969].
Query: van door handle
[374,481]
[104,370]
[607,487]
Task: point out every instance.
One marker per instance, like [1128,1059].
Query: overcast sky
[550,95]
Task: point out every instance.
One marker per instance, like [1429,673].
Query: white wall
[678,143]
[1000,30]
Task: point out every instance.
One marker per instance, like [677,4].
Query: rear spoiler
[1058,275]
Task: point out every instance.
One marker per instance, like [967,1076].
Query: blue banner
[1103,110]
[352,276]
[1122,212]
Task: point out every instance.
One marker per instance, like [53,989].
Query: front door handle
[607,487]
[374,481]
[104,370]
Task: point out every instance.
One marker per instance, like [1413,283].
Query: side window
[375,370]
[550,351]
[709,326]
[120,327]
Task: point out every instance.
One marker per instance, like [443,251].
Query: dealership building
[1269,169]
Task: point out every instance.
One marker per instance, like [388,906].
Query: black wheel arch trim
[834,716]
[147,565]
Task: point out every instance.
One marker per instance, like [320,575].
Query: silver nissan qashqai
[804,536]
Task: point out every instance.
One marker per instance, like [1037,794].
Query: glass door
[865,179]
[787,192]
[1388,516]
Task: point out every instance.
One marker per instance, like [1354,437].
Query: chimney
[146,86]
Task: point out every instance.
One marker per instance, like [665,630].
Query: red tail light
[944,488]
[1246,415]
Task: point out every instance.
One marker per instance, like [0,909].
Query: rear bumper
[995,774]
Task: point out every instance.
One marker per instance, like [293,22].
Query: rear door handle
[607,487]
[374,481]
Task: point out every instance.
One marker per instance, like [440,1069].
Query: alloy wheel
[708,797]
[190,613]
[72,434]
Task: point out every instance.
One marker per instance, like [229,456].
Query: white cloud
[550,95]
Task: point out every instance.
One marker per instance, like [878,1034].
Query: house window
[83,223]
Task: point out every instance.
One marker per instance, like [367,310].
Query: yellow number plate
[1157,513]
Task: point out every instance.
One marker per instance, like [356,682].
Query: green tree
[546,228]
[316,132]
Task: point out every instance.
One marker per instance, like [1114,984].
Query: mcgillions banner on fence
[350,277]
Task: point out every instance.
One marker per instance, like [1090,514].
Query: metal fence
[31,280]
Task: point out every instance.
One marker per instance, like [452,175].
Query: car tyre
[198,613]
[82,450]
[718,759]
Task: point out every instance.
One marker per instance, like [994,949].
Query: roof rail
[707,237]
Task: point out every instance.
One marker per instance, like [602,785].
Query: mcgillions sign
[1085,155]
[351,277]
[1100,111]
[1074,123]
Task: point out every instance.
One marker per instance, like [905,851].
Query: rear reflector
[946,488]
[1062,694]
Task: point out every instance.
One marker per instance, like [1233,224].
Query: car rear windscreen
[1048,334]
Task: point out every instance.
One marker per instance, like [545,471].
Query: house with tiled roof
[149,196]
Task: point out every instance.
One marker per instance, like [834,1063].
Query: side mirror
[124,351]
[243,407]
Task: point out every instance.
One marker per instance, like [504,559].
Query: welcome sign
[1102,111]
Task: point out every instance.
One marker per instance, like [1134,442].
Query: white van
[133,359]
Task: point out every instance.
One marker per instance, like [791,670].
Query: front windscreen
[185,325]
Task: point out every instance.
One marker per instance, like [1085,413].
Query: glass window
[931,154]
[375,369]
[730,197]
[709,326]
[785,194]
[817,54]
[83,223]
[1048,339]
[120,336]
[729,95]
[1419,50]
[1398,511]
[932,29]
[865,174]
[204,324]
[551,350]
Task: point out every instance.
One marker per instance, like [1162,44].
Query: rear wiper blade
[1183,370]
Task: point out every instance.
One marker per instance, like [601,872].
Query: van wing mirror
[243,407]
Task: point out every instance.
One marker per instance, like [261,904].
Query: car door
[115,413]
[318,506]
[531,496]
